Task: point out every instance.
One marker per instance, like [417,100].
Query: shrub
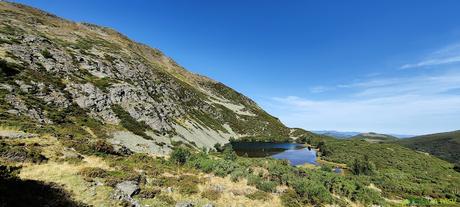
[311,192]
[267,186]
[291,199]
[8,69]
[363,167]
[102,147]
[202,162]
[131,124]
[326,168]
[229,154]
[223,168]
[211,194]
[253,179]
[367,196]
[180,155]
[93,172]
[237,174]
[46,54]
[259,195]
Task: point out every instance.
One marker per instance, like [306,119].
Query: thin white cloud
[319,89]
[447,55]
[414,105]
[432,62]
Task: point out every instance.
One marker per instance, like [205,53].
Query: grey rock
[15,134]
[209,205]
[123,150]
[71,154]
[184,204]
[128,188]
[13,111]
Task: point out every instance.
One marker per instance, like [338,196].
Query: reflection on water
[297,154]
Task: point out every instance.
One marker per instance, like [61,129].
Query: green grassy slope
[399,171]
[443,145]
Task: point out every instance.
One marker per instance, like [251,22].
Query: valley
[89,117]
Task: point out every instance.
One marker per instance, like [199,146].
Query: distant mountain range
[346,135]
[337,134]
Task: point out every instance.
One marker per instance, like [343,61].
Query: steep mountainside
[443,145]
[77,78]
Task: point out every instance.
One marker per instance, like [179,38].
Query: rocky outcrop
[60,65]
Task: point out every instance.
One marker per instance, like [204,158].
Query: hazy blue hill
[374,137]
[337,134]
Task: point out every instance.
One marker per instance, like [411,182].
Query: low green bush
[266,186]
[131,124]
[368,196]
[93,172]
[180,155]
[102,147]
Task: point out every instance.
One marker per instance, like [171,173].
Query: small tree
[180,155]
[363,166]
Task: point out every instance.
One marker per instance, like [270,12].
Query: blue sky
[388,66]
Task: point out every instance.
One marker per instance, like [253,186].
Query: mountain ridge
[52,66]
[444,145]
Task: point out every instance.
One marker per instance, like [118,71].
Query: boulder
[128,188]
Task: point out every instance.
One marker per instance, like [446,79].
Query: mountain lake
[296,154]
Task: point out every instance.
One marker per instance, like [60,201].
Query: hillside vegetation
[443,145]
[91,118]
[397,170]
[55,73]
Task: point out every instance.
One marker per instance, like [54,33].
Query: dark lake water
[297,154]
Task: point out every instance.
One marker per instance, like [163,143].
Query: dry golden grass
[66,175]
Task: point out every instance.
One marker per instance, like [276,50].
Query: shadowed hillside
[443,145]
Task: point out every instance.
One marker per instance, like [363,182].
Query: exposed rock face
[52,65]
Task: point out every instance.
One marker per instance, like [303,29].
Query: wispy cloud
[319,89]
[446,55]
[415,105]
